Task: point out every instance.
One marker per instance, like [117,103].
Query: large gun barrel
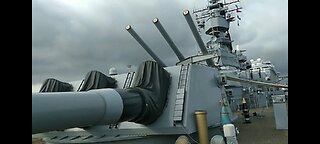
[196,35]
[144,45]
[61,110]
[168,39]
[142,103]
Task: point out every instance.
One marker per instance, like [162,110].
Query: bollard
[245,111]
[202,126]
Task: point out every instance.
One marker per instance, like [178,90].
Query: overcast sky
[73,37]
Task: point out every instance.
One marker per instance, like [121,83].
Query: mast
[214,21]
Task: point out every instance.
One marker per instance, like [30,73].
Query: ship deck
[262,129]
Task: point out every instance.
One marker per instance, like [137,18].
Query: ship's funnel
[168,39]
[197,36]
[144,45]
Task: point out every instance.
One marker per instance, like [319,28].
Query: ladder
[128,80]
[178,109]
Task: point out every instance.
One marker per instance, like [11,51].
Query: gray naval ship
[185,103]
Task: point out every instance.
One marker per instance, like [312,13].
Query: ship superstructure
[158,103]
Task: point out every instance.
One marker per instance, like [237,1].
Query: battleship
[189,102]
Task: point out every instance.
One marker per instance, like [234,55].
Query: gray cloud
[70,38]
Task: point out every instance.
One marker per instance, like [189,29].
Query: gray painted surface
[61,110]
[202,93]
[217,22]
[280,112]
[105,138]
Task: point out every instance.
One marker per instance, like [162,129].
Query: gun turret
[142,103]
